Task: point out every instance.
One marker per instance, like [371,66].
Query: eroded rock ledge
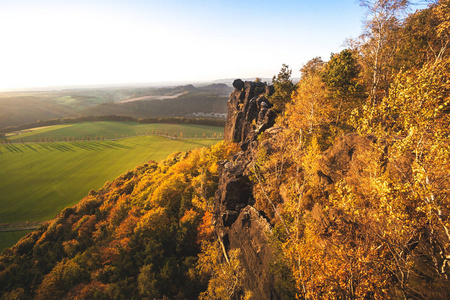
[238,223]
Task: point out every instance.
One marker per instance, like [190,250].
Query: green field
[113,130]
[7,239]
[37,180]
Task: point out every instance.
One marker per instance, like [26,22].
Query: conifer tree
[340,75]
[284,87]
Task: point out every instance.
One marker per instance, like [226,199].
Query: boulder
[238,84]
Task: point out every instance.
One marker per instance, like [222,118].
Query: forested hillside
[338,188]
[354,176]
[139,236]
[186,105]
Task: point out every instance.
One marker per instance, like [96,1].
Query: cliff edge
[238,223]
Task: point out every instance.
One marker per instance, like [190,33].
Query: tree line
[117,118]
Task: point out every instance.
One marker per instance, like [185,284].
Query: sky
[77,42]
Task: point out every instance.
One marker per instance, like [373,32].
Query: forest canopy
[364,149]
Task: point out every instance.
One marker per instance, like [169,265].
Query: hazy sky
[77,42]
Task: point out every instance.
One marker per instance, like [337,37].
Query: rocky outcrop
[238,223]
[249,111]
[346,159]
[250,233]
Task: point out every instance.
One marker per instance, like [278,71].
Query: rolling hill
[19,108]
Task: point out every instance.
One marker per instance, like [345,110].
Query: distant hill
[19,108]
[184,105]
[229,81]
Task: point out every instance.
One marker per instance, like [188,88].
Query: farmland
[38,180]
[112,130]
[20,108]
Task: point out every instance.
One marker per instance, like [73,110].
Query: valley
[25,107]
[39,179]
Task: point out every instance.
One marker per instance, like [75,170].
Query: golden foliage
[225,276]
[376,235]
[139,236]
[308,108]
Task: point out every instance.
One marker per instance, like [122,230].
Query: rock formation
[248,106]
[238,223]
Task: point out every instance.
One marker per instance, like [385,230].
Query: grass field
[10,238]
[38,180]
[113,130]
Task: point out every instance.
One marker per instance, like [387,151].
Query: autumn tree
[324,259]
[312,67]
[442,12]
[326,95]
[409,210]
[226,273]
[425,37]
[379,234]
[308,109]
[379,43]
[63,276]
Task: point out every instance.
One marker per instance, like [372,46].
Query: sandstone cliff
[238,223]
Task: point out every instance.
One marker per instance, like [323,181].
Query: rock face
[344,160]
[248,106]
[238,223]
[250,233]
